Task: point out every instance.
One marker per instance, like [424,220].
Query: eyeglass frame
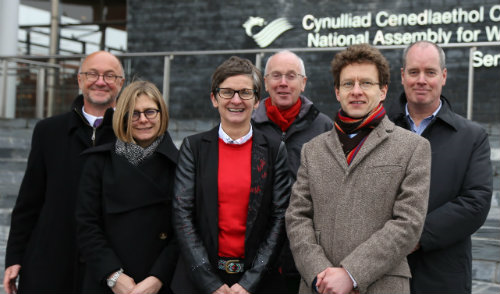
[138,113]
[276,78]
[217,90]
[363,85]
[86,73]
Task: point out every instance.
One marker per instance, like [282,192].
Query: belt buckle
[232,266]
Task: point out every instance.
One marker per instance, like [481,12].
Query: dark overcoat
[124,216]
[309,123]
[459,200]
[196,213]
[42,236]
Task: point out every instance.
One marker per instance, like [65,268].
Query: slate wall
[189,25]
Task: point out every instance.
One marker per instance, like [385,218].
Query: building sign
[269,33]
[321,30]
[384,28]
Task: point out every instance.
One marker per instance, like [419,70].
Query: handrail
[244,51]
[169,55]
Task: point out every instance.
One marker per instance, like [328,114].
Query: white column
[9,22]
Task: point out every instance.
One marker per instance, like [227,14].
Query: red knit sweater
[234,193]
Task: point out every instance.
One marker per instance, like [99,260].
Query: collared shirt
[228,140]
[424,123]
[90,118]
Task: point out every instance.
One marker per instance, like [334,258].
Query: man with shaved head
[42,248]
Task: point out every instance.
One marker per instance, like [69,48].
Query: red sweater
[234,180]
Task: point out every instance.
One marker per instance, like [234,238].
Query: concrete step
[12,172]
[480,287]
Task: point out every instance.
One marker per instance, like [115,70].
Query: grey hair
[301,62]
[442,57]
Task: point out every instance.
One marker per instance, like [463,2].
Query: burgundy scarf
[283,118]
[346,125]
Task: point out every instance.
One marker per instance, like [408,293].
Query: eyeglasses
[364,85]
[148,113]
[228,93]
[289,76]
[109,78]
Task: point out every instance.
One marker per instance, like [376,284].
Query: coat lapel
[335,148]
[375,137]
[209,171]
[126,197]
[259,174]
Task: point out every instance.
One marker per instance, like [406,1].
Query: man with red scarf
[360,199]
[291,117]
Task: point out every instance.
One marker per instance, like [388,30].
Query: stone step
[480,287]
[18,123]
[12,172]
[4,233]
[488,232]
[5,215]
[486,249]
[8,199]
[14,153]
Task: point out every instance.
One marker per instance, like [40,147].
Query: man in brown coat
[359,202]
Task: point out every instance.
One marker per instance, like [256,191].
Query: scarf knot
[134,153]
[346,126]
[283,118]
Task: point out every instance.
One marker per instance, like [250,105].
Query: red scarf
[283,118]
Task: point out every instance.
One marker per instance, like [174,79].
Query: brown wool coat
[365,217]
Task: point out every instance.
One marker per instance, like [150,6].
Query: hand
[237,289]
[123,285]
[9,278]
[334,280]
[416,247]
[224,289]
[150,285]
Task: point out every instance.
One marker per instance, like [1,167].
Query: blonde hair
[122,118]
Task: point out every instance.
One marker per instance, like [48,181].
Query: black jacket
[309,123]
[196,209]
[459,200]
[42,236]
[124,215]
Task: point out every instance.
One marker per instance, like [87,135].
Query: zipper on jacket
[93,128]
[283,135]
[93,136]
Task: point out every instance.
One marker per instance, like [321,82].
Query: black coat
[196,211]
[310,122]
[42,236]
[459,200]
[124,216]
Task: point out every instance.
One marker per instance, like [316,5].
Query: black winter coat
[459,200]
[309,123]
[42,236]
[124,216]
[196,212]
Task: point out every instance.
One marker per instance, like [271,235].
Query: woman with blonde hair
[124,208]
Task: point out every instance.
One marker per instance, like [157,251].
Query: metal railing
[39,64]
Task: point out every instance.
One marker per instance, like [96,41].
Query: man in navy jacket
[461,175]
